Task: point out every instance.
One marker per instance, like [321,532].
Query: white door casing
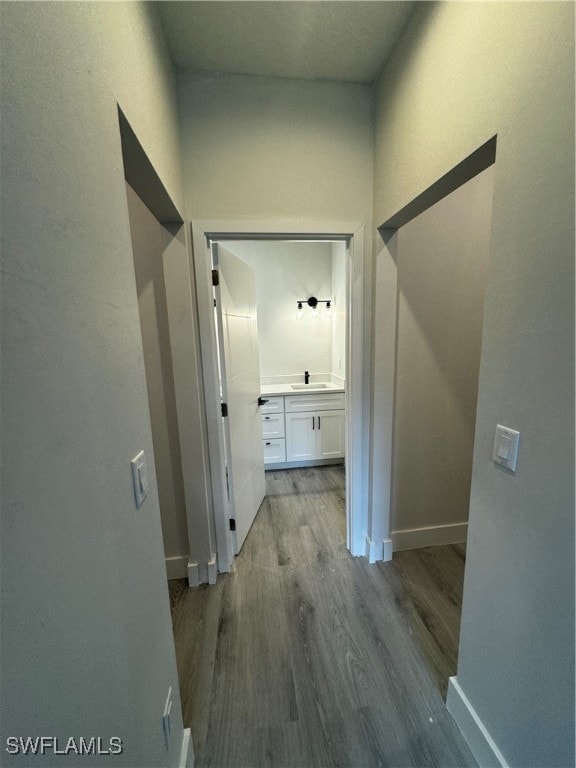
[240,384]
[358,357]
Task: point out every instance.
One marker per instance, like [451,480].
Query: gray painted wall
[462,73]
[267,148]
[442,263]
[148,244]
[87,646]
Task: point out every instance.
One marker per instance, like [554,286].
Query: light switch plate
[140,478]
[506,443]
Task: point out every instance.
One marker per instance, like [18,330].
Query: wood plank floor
[305,657]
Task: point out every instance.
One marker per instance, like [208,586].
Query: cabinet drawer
[326,401]
[274,451]
[273,425]
[274,404]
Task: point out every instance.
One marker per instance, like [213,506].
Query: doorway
[149,240]
[282,360]
[165,284]
[352,236]
[436,262]
[442,268]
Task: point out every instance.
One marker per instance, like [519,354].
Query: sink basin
[309,386]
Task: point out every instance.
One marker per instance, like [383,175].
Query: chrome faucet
[306,377]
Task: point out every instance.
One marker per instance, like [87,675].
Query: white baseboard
[370,550]
[194,574]
[202,573]
[377,550]
[476,735]
[387,549]
[431,536]
[176,567]
[212,570]
[186,752]
[298,464]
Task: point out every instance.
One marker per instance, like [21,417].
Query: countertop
[287,389]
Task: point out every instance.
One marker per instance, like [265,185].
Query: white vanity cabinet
[301,428]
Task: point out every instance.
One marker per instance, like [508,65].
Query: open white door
[240,383]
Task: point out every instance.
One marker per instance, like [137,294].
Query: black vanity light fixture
[313,302]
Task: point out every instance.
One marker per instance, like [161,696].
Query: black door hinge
[214,302]
[215,277]
[232,524]
[224,407]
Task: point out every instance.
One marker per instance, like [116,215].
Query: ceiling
[340,40]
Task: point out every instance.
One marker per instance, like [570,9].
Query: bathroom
[301,315]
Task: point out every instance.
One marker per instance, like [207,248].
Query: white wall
[442,265]
[87,645]
[462,73]
[286,272]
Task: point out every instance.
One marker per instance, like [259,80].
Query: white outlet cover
[140,478]
[506,442]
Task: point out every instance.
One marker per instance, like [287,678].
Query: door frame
[357,367]
[199,563]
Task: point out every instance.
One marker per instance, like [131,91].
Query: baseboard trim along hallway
[186,753]
[481,743]
[177,567]
[375,550]
[202,573]
[431,536]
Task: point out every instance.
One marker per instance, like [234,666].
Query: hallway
[305,656]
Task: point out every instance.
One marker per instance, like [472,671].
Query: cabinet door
[301,432]
[330,434]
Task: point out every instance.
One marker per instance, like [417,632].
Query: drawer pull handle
[268,443]
[313,423]
[266,418]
